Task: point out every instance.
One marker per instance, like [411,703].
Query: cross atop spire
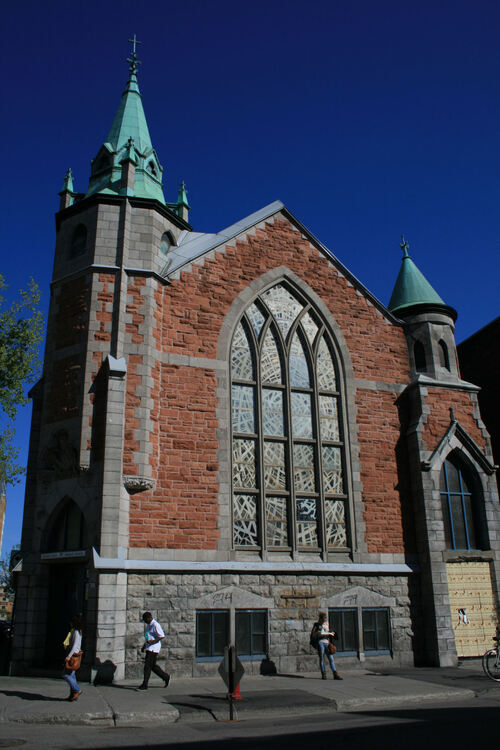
[134,62]
[404,246]
[128,142]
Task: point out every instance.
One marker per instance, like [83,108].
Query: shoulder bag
[74,662]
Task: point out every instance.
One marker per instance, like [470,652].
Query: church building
[232,432]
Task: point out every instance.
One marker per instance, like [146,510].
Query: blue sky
[368,118]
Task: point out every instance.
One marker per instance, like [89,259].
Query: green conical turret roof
[411,287]
[129,127]
[130,120]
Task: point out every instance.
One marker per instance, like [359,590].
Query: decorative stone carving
[135,484]
[232,597]
[60,458]
[358,596]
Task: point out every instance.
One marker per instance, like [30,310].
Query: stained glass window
[244,463]
[310,327]
[303,468]
[276,521]
[299,369]
[326,369]
[307,524]
[301,415]
[270,363]
[283,306]
[329,418]
[272,412]
[245,520]
[274,466]
[288,455]
[256,318]
[336,535]
[243,408]
[241,356]
[332,469]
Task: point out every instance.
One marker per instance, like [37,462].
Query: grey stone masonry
[437,636]
[115,499]
[291,603]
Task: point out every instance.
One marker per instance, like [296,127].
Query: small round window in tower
[78,241]
[166,242]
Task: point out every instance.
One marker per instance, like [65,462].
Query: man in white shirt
[153,637]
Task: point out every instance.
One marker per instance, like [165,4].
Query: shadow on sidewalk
[31,696]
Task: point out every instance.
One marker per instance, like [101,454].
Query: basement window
[361,630]
[213,633]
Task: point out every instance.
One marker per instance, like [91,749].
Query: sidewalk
[42,700]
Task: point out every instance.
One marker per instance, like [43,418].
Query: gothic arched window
[461,507]
[444,359]
[166,242]
[67,530]
[287,445]
[419,356]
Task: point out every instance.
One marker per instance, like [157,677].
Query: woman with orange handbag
[73,659]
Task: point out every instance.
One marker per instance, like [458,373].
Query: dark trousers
[150,666]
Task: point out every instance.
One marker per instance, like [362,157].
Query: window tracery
[287,447]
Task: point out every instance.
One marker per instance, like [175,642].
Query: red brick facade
[183,509]
[437,422]
[379,432]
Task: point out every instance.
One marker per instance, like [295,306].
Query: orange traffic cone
[236,693]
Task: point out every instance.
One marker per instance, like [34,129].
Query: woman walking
[321,635]
[73,644]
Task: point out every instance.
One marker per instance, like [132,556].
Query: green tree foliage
[21,328]
[7,579]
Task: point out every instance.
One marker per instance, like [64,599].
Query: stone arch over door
[283,275]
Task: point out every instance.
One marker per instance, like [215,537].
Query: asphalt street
[458,724]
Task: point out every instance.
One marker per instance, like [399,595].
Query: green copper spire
[130,120]
[68,181]
[129,123]
[411,287]
[182,199]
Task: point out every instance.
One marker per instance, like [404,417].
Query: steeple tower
[129,133]
[429,322]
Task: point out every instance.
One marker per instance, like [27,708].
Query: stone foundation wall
[293,602]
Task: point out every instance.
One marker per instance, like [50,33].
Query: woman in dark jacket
[321,635]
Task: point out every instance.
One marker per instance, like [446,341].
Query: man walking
[153,637]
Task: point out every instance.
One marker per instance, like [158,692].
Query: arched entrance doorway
[66,553]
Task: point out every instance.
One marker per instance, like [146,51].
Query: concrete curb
[384,701]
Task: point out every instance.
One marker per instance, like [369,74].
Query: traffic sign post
[231,670]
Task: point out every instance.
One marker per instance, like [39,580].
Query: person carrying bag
[73,659]
[322,638]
